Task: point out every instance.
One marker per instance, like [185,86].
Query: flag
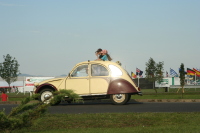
[167,74]
[197,72]
[133,75]
[139,72]
[190,71]
[197,69]
[173,73]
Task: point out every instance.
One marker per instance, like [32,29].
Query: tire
[120,99]
[129,98]
[46,95]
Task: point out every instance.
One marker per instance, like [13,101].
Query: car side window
[98,70]
[80,71]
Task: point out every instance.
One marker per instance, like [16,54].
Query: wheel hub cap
[47,96]
[119,96]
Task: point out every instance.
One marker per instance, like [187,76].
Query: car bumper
[140,93]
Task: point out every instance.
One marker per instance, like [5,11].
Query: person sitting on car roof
[106,56]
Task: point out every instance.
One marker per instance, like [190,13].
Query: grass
[169,96]
[191,93]
[171,90]
[17,96]
[117,122]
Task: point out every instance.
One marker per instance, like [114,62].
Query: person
[98,53]
[106,56]
[13,89]
[4,96]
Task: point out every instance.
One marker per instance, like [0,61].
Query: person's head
[98,51]
[104,52]
[3,91]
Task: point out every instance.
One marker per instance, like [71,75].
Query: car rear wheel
[120,99]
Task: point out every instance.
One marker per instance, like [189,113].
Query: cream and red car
[93,80]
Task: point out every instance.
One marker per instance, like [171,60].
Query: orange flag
[197,72]
[133,75]
[190,72]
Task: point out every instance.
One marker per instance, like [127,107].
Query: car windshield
[80,71]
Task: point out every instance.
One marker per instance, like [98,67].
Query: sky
[49,37]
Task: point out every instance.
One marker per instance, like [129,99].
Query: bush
[27,113]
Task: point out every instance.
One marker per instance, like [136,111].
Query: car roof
[100,62]
[106,63]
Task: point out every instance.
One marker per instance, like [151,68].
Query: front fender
[120,86]
[42,86]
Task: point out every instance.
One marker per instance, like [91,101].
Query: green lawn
[117,122]
[121,122]
[17,96]
[172,94]
[171,90]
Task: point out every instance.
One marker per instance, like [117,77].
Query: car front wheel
[120,99]
[46,95]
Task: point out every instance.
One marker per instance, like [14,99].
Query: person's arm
[96,53]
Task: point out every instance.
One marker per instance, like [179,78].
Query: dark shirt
[100,56]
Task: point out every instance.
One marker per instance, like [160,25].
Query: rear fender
[120,86]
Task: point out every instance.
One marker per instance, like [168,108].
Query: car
[92,80]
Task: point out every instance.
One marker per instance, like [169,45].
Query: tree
[150,70]
[154,71]
[9,69]
[182,77]
[159,72]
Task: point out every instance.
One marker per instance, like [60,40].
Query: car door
[99,79]
[78,81]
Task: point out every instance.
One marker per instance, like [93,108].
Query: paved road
[100,107]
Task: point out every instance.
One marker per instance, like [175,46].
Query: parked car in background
[92,80]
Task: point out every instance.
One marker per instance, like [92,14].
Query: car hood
[49,81]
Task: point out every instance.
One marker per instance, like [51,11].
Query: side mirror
[68,75]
